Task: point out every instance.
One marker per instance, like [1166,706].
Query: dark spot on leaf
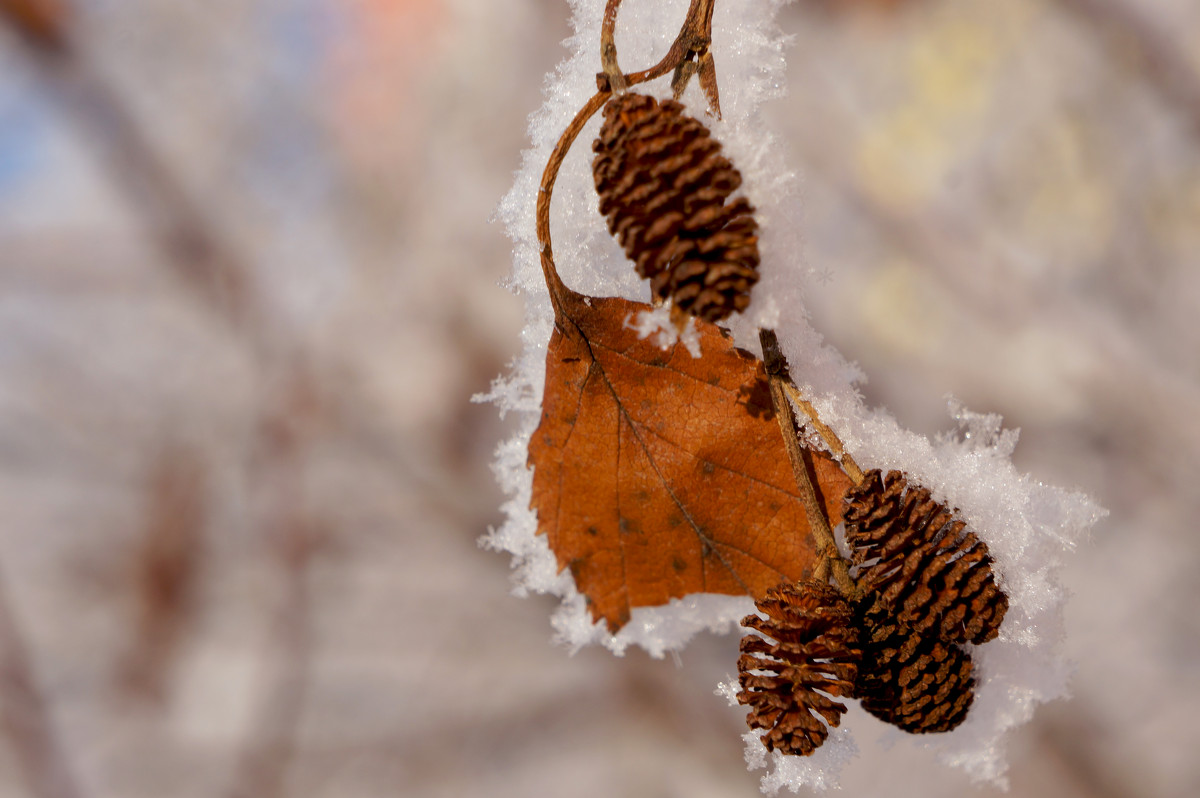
[757,399]
[591,530]
[708,468]
[678,564]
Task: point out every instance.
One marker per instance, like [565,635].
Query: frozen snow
[656,325]
[1029,526]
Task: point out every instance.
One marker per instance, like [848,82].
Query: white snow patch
[818,771]
[656,324]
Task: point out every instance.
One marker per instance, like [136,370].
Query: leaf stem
[829,559]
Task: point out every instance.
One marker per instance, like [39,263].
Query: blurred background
[248,286]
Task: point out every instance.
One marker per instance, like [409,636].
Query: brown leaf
[657,474]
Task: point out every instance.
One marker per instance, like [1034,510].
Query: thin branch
[802,468]
[828,435]
[559,291]
[285,434]
[694,37]
[608,48]
[263,760]
[25,716]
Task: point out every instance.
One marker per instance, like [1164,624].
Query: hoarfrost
[656,325]
[1029,526]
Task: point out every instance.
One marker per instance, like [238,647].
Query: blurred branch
[1067,737]
[186,238]
[290,409]
[1128,31]
[286,431]
[165,569]
[262,762]
[26,717]
[1131,379]
[42,23]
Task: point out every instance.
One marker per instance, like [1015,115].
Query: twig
[263,760]
[689,55]
[608,48]
[828,435]
[1166,66]
[285,433]
[802,468]
[165,569]
[558,290]
[26,717]
[693,38]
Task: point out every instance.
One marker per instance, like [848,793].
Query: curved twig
[692,41]
[558,290]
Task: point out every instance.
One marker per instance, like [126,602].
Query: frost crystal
[656,325]
[1027,525]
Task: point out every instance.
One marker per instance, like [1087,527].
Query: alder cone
[664,186]
[914,681]
[920,563]
[814,655]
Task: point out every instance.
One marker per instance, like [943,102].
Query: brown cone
[920,564]
[914,681]
[663,185]
[814,656]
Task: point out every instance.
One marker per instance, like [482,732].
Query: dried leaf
[657,474]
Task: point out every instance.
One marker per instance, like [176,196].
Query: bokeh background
[248,286]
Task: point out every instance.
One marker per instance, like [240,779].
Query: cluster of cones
[925,588]
[925,591]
